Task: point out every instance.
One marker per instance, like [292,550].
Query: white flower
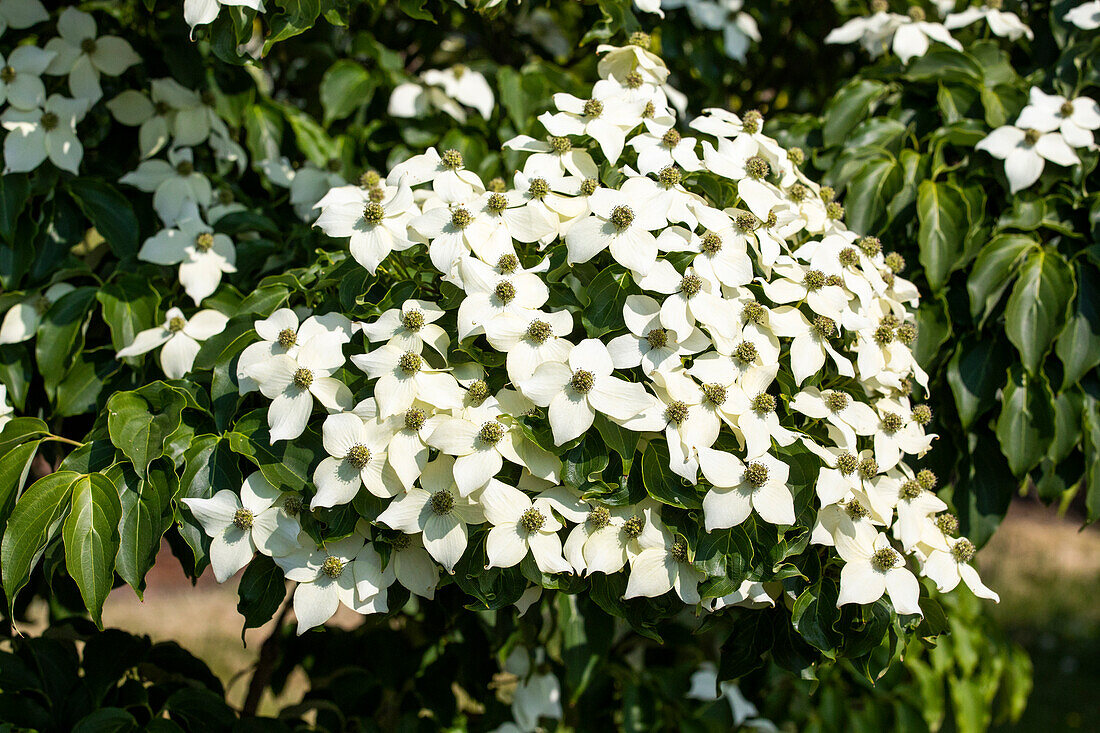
[873,32]
[22,319]
[410,327]
[1085,16]
[576,390]
[201,12]
[604,120]
[1025,152]
[180,337]
[238,525]
[405,376]
[705,686]
[872,567]
[356,446]
[739,488]
[6,410]
[21,14]
[346,571]
[84,57]
[457,229]
[659,147]
[174,184]
[1002,23]
[376,228]
[537,695]
[450,179]
[412,566]
[850,416]
[810,342]
[291,383]
[650,344]
[20,85]
[622,221]
[463,85]
[530,338]
[691,299]
[281,334]
[201,254]
[750,594]
[914,35]
[33,135]
[480,443]
[663,564]
[175,112]
[1075,118]
[553,157]
[438,510]
[491,296]
[950,566]
[521,526]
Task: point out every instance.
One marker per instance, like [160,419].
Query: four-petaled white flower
[1076,118]
[521,525]
[21,321]
[45,132]
[738,488]
[1025,153]
[376,228]
[201,12]
[202,255]
[180,337]
[871,568]
[356,446]
[83,56]
[20,82]
[175,184]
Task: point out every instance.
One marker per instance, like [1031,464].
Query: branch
[265,665]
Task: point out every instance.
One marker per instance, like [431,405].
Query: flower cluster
[696,295]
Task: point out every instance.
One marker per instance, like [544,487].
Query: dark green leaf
[110,212]
[1036,308]
[1025,427]
[91,539]
[663,485]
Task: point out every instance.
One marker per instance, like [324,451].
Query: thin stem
[68,441]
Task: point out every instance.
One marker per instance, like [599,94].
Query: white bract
[1026,152]
[44,132]
[180,338]
[21,321]
[83,56]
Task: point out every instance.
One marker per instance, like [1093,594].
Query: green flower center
[747,222]
[753,312]
[414,419]
[185,168]
[443,502]
[460,218]
[88,45]
[715,394]
[746,352]
[204,242]
[242,519]
[451,160]
[847,463]
[49,121]
[370,179]
[836,401]
[879,6]
[497,203]
[885,559]
[401,542]
[796,155]
[916,14]
[910,490]
[827,193]
[225,196]
[560,145]
[622,217]
[757,167]
[478,391]
[532,520]
[679,551]
[892,422]
[691,285]
[599,517]
[824,326]
[413,320]
[676,413]
[814,280]
[507,264]
[582,381]
[287,338]
[756,474]
[657,338]
[751,121]
[634,526]
[491,433]
[539,332]
[895,262]
[906,333]
[7,75]
[373,213]
[947,523]
[497,185]
[798,193]
[868,468]
[42,304]
[376,194]
[671,139]
[505,292]
[763,403]
[176,324]
[589,186]
[834,210]
[303,378]
[670,176]
[711,244]
[856,510]
[593,108]
[410,362]
[884,334]
[640,39]
[848,257]
[358,456]
[538,188]
[332,567]
[649,111]
[633,80]
[963,551]
[1066,110]
[292,505]
[927,479]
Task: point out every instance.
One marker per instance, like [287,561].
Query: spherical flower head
[376,194]
[225,196]
[460,217]
[679,551]
[847,464]
[410,362]
[414,419]
[715,394]
[634,526]
[905,386]
[497,185]
[508,263]
[370,179]
[505,292]
[756,474]
[834,210]
[848,257]
[711,243]
[373,212]
[451,160]
[183,168]
[175,324]
[906,333]
[303,377]
[871,246]
[690,285]
[401,542]
[292,505]
[88,46]
[763,403]
[287,338]
[443,502]
[242,519]
[753,312]
[884,334]
[497,203]
[670,176]
[478,391]
[582,381]
[358,456]
[1066,110]
[757,167]
[910,490]
[649,111]
[895,262]
[868,468]
[538,188]
[532,520]
[589,186]
[963,551]
[599,518]
[747,222]
[332,567]
[772,220]
[42,304]
[593,108]
[657,338]
[922,414]
[796,155]
[7,74]
[204,242]
[633,80]
[798,193]
[814,280]
[676,412]
[916,14]
[927,479]
[671,139]
[856,510]
[539,332]
[892,422]
[827,193]
[49,121]
[622,217]
[947,523]
[836,401]
[491,432]
[885,559]
[879,6]
[746,352]
[751,121]
[641,39]
[560,145]
[413,320]
[824,326]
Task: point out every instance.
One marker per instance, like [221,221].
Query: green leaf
[91,539]
[139,428]
[79,391]
[869,193]
[942,212]
[129,306]
[15,190]
[975,373]
[607,295]
[20,430]
[345,87]
[619,439]
[110,212]
[815,613]
[14,467]
[34,523]
[209,467]
[663,485]
[1036,308]
[1025,426]
[288,464]
[260,592]
[993,271]
[415,9]
[146,516]
[584,461]
[60,334]
[848,107]
[1078,345]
